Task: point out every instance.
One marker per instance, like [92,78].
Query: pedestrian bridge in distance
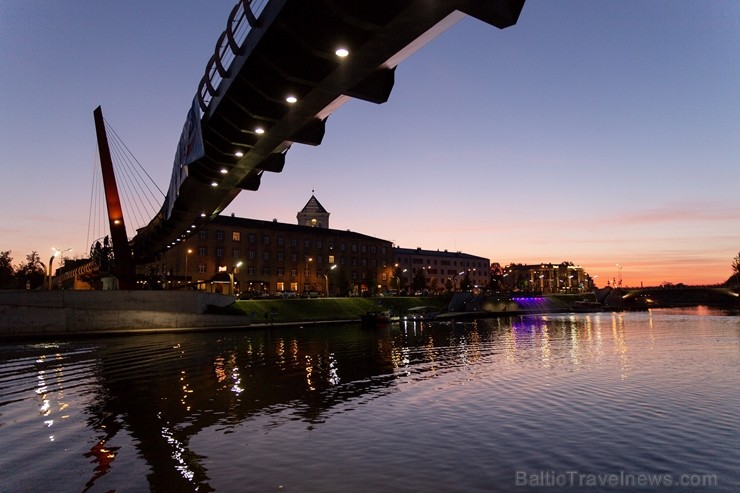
[279,69]
[678,296]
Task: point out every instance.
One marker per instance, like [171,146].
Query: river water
[636,401]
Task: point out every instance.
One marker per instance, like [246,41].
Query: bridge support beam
[376,88]
[311,134]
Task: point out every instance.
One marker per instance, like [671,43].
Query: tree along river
[635,401]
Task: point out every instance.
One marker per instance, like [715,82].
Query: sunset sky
[596,132]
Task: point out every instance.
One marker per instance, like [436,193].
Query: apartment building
[439,270]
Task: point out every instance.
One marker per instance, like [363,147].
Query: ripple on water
[455,407]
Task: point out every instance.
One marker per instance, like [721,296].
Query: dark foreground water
[594,402]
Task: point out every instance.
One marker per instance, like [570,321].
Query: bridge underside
[248,126]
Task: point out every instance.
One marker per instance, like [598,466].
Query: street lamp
[231,277]
[51,261]
[187,254]
[398,282]
[326,278]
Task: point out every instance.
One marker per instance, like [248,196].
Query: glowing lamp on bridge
[238,154]
[259,130]
[341,52]
[224,171]
[214,184]
[291,99]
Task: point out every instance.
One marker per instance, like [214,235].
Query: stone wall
[86,312]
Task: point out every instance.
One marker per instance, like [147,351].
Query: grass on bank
[325,308]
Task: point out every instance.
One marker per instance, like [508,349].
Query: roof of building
[436,253]
[313,205]
[243,222]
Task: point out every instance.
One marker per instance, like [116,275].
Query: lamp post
[187,254]
[231,278]
[307,274]
[51,261]
[326,278]
[398,283]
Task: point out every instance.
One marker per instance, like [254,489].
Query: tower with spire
[313,214]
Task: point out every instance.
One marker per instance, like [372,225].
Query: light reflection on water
[454,407]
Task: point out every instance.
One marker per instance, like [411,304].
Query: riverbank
[308,310]
[46,314]
[73,313]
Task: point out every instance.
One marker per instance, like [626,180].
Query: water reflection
[164,392]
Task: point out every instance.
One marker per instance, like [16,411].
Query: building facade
[269,257]
[440,270]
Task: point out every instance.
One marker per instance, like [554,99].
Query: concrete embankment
[52,313]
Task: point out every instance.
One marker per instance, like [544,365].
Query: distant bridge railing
[243,17]
[85,269]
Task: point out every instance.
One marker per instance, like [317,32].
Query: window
[265,255]
[202,234]
[250,255]
[266,239]
[363,248]
[330,244]
[342,247]
[293,242]
[280,272]
[307,272]
[201,269]
[331,259]
[265,271]
[250,270]
[372,249]
[280,286]
[293,272]
[281,241]
[306,243]
[202,251]
[252,238]
[235,252]
[219,252]
[354,248]
[280,256]
[219,235]
[318,243]
[294,257]
[236,236]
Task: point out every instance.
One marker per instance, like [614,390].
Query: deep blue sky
[598,132]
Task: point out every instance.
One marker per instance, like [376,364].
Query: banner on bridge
[189,149]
